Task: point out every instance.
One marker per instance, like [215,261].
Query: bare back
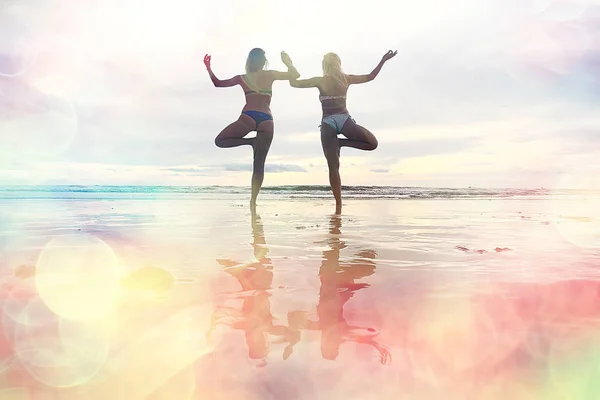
[258,88]
[333,96]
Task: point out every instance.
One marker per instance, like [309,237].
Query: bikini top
[263,92]
[331,97]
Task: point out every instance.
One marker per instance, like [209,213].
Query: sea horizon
[288,191]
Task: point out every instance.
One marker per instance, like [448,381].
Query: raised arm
[292,72]
[216,81]
[306,83]
[356,79]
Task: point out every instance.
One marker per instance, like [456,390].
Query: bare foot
[338,209]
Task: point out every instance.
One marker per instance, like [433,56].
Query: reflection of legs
[358,137]
[261,145]
[385,357]
[233,134]
[331,149]
[259,244]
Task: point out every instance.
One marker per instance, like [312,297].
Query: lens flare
[17,49]
[78,277]
[46,134]
[60,353]
[453,335]
[34,125]
[573,367]
[16,297]
[181,386]
[19,393]
[157,355]
[20,251]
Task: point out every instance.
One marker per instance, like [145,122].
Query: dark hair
[256,60]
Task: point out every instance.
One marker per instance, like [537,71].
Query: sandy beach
[178,296]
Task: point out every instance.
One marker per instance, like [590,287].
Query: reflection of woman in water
[333,88]
[255,317]
[256,115]
[338,284]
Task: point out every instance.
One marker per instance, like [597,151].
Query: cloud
[196,171]
[474,89]
[275,168]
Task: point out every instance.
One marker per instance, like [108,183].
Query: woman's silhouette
[257,84]
[338,285]
[254,317]
[333,88]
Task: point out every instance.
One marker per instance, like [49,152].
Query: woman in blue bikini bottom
[257,84]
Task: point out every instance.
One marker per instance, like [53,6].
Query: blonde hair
[332,66]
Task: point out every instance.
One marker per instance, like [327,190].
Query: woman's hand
[286,59]
[389,55]
[207,61]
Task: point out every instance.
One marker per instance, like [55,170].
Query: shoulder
[270,72]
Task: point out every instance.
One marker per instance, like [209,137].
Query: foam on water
[65,192]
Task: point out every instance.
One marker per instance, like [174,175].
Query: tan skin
[234,134]
[255,317]
[338,285]
[357,136]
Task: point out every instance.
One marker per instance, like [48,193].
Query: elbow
[295,75]
[370,77]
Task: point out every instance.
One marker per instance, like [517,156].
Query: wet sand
[416,299]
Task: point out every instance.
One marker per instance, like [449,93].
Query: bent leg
[261,145]
[233,134]
[331,150]
[358,136]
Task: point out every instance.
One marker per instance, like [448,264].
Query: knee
[218,142]
[374,143]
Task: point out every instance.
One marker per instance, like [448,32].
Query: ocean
[158,292]
[270,192]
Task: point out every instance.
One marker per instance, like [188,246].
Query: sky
[482,93]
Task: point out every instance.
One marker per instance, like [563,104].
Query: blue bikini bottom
[258,116]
